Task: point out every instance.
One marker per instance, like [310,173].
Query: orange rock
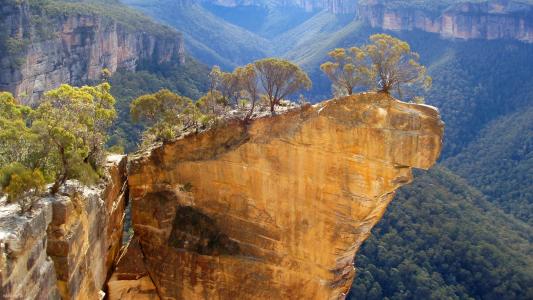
[278,208]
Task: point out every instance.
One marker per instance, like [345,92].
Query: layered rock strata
[74,48]
[85,234]
[26,271]
[68,244]
[273,209]
[486,20]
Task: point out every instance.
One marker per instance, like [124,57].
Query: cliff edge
[275,209]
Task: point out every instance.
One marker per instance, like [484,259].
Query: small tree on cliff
[280,78]
[165,113]
[72,125]
[348,69]
[386,63]
[395,64]
[20,177]
[247,79]
[62,138]
[22,185]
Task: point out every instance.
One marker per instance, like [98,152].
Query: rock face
[26,271]
[275,209]
[490,20]
[85,234]
[485,20]
[73,48]
[68,245]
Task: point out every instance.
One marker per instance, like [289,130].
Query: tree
[227,84]
[165,113]
[72,123]
[280,78]
[23,185]
[395,64]
[348,70]
[247,79]
[17,141]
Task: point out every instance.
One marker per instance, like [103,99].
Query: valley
[462,230]
[481,87]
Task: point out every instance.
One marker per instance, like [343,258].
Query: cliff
[68,244]
[490,20]
[275,209]
[45,45]
[481,20]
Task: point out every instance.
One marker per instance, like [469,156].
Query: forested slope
[441,239]
[208,37]
[500,162]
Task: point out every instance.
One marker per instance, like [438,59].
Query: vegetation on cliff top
[240,94]
[63,138]
[112,10]
[387,63]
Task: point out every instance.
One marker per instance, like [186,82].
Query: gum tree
[279,78]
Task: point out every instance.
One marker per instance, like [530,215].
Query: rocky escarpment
[492,19]
[481,20]
[43,48]
[334,6]
[66,247]
[274,209]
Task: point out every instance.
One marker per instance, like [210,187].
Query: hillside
[499,163]
[441,239]
[209,38]
[463,230]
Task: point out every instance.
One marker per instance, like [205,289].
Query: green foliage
[166,114]
[189,80]
[62,138]
[348,70]
[499,163]
[109,10]
[21,184]
[440,239]
[386,62]
[209,38]
[396,66]
[18,143]
[280,78]
[238,90]
[73,123]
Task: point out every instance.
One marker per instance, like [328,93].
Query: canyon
[46,48]
[489,20]
[275,208]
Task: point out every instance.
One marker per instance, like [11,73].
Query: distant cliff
[274,209]
[484,20]
[44,45]
[494,19]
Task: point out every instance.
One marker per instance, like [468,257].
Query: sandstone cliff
[275,209]
[492,19]
[68,244]
[44,48]
[484,20]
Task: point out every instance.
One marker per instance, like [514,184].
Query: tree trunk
[61,178]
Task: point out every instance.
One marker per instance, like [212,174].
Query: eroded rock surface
[74,48]
[67,245]
[489,20]
[275,209]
